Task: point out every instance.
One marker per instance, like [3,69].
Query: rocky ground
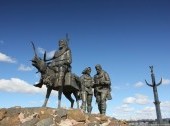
[38,116]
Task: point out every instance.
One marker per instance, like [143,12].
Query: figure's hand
[105,82]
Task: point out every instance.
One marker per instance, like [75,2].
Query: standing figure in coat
[102,88]
[86,90]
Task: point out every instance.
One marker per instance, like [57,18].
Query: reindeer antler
[44,57]
[34,48]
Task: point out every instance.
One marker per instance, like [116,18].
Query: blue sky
[125,37]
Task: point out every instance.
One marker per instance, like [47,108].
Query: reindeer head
[39,63]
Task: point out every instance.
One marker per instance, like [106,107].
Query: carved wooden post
[156,102]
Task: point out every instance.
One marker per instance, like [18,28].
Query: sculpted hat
[86,69]
[98,65]
[63,41]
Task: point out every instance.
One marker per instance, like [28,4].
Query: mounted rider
[61,62]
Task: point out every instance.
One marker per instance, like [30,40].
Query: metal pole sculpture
[156,102]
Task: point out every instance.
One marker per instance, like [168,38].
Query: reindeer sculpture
[49,78]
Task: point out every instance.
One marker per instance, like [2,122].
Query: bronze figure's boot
[99,108]
[103,108]
[38,85]
[89,109]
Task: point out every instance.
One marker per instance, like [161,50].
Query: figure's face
[98,69]
[89,71]
[61,44]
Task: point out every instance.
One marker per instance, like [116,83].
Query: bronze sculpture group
[56,75]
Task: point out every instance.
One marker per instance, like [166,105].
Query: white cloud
[165,81]
[137,99]
[129,100]
[147,109]
[165,104]
[16,85]
[139,84]
[134,112]
[147,112]
[165,108]
[127,112]
[125,108]
[5,58]
[49,54]
[25,68]
[142,99]
[19,86]
[41,50]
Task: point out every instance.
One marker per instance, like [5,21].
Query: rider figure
[61,61]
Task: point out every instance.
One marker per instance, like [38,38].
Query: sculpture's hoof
[38,85]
